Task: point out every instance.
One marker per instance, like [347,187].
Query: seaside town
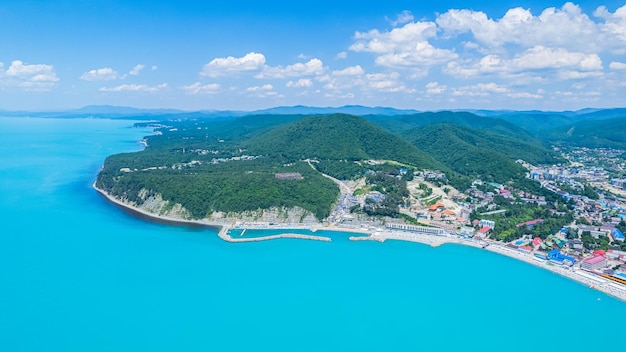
[584,197]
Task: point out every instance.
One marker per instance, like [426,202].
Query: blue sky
[244,55]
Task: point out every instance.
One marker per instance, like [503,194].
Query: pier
[223,234]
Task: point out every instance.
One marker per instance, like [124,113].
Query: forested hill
[601,133]
[337,137]
[403,123]
[479,153]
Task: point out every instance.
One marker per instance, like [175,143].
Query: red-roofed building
[436,207]
[598,252]
[525,249]
[537,242]
[484,231]
[594,263]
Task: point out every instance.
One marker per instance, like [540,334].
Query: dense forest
[230,164]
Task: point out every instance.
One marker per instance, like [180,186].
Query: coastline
[378,235]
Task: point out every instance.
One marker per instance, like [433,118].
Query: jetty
[223,234]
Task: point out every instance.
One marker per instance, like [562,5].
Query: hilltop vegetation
[230,164]
[479,153]
[603,133]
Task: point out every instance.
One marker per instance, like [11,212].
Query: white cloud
[309,68]
[404,46]
[154,68]
[524,95]
[349,71]
[480,90]
[135,71]
[301,83]
[615,65]
[567,27]
[615,23]
[404,17]
[435,88]
[37,77]
[535,59]
[387,82]
[100,74]
[342,55]
[134,88]
[222,66]
[260,88]
[198,88]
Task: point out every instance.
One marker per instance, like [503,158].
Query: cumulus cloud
[135,71]
[617,65]
[100,74]
[481,89]
[223,66]
[535,59]
[405,46]
[135,88]
[342,55]
[349,71]
[309,68]
[198,88]
[615,23]
[433,88]
[567,27]
[260,88]
[387,82]
[35,77]
[404,17]
[301,83]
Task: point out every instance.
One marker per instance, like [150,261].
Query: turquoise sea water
[79,274]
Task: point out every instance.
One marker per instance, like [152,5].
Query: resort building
[419,229]
[487,223]
[594,263]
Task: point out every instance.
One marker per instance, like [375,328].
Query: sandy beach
[381,235]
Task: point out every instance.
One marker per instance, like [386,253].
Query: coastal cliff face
[155,204]
[295,215]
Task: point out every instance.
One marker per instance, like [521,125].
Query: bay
[79,274]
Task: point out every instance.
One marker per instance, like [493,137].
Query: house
[484,231]
[525,249]
[537,242]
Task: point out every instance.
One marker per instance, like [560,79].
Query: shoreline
[576,274]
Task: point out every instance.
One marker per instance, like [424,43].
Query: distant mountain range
[586,127]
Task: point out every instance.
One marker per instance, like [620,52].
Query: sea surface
[79,274]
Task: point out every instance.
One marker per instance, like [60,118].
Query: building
[575,244]
[617,235]
[556,256]
[419,229]
[487,223]
[289,176]
[483,232]
[594,263]
[530,224]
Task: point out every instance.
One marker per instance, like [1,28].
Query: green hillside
[591,133]
[403,123]
[231,166]
[337,137]
[479,153]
